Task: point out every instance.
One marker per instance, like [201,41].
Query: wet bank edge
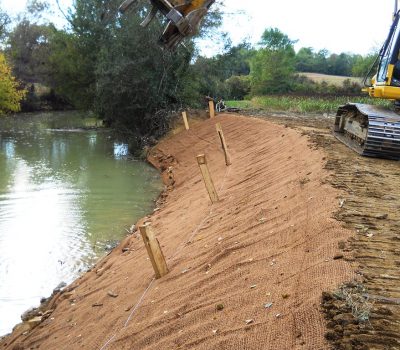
[34,316]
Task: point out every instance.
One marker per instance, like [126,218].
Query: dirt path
[246,273]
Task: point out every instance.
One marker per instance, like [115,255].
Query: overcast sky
[337,25]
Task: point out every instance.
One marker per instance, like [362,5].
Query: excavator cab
[184,18]
[386,83]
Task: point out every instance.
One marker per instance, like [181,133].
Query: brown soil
[370,207]
[245,273]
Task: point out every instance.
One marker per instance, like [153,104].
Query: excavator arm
[184,18]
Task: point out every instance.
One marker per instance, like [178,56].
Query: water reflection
[120,150]
[63,196]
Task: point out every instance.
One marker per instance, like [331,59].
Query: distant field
[330,79]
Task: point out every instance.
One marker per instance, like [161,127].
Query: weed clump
[357,299]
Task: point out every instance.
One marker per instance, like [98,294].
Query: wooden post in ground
[211,108]
[201,160]
[185,120]
[154,250]
[223,143]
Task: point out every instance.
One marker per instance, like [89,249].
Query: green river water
[66,195]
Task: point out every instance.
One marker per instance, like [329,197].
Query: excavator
[367,129]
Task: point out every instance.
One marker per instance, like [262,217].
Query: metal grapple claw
[184,18]
[126,5]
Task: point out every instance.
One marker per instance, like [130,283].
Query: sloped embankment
[245,273]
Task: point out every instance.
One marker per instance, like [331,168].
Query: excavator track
[371,131]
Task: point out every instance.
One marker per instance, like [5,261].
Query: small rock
[44,300]
[382,216]
[338,256]
[67,295]
[249,321]
[97,304]
[219,307]
[268,305]
[29,314]
[32,323]
[254,286]
[112,294]
[59,287]
[47,313]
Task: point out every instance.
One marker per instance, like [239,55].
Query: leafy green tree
[10,94]
[305,60]
[273,66]
[73,69]
[29,50]
[238,87]
[340,64]
[363,64]
[136,87]
[273,39]
[212,74]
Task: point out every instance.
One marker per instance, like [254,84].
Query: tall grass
[300,104]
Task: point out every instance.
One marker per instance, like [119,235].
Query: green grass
[301,104]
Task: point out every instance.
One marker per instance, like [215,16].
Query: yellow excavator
[184,18]
[369,130]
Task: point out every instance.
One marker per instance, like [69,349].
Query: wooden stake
[154,250]
[223,143]
[185,120]
[201,160]
[212,109]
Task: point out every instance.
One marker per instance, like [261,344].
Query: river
[66,196]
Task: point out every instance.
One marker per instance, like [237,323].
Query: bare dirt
[249,271]
[365,314]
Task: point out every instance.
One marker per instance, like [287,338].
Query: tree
[363,64]
[273,66]
[238,87]
[212,74]
[305,60]
[340,64]
[29,50]
[136,87]
[274,39]
[10,95]
[4,23]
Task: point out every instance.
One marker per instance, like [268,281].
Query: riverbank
[247,272]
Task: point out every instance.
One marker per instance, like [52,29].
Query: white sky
[337,25]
